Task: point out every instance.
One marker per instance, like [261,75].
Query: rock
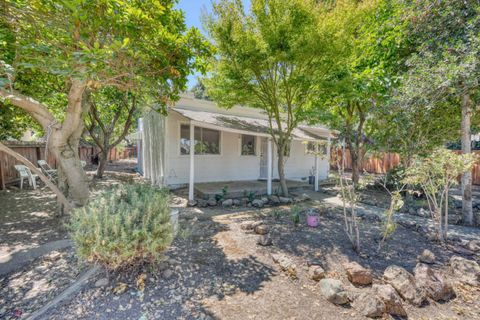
[286,264]
[408,224]
[53,256]
[427,256]
[264,200]
[264,240]
[261,229]
[167,274]
[466,271]
[369,305]
[102,282]
[227,203]
[202,203]
[390,297]
[285,200]
[433,283]
[423,213]
[357,274]
[247,225]
[212,202]
[474,245]
[316,272]
[192,203]
[274,199]
[460,250]
[257,203]
[404,283]
[333,291]
[236,202]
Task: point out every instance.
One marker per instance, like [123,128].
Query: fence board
[382,163]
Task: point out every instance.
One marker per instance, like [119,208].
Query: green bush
[125,226]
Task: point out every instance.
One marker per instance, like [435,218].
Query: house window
[310,148]
[248,145]
[207,141]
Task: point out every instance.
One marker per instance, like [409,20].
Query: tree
[367,52]
[200,91]
[110,118]
[436,175]
[129,45]
[445,69]
[267,59]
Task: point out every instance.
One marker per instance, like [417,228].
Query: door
[263,158]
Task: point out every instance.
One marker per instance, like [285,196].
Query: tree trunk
[281,169]
[102,162]
[467,209]
[355,169]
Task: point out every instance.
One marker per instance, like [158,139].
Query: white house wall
[229,165]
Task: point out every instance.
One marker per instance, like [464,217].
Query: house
[230,145]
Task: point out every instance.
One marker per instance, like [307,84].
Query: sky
[193,18]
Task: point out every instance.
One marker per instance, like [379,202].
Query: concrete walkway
[12,262]
[461,232]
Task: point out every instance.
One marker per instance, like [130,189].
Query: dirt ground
[214,269]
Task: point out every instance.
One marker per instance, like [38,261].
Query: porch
[239,189]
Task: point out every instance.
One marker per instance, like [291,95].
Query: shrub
[125,226]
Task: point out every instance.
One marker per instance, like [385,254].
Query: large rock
[202,203]
[316,272]
[466,271]
[369,305]
[333,291]
[261,229]
[227,203]
[264,240]
[474,245]
[212,202]
[257,203]
[237,202]
[427,256]
[357,274]
[390,297]
[433,282]
[285,200]
[404,283]
[285,263]
[274,199]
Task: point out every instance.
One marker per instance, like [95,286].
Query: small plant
[295,215]
[223,195]
[250,195]
[124,227]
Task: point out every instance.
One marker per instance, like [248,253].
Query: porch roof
[247,125]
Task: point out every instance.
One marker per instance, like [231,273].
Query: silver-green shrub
[125,226]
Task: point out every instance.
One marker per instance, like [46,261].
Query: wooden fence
[36,151]
[381,163]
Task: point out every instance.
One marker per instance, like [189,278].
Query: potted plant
[312,218]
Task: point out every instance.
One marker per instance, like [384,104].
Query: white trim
[317,167]
[269,166]
[192,163]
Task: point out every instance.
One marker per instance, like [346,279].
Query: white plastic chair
[24,172]
[49,172]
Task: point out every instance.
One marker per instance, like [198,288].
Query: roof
[246,124]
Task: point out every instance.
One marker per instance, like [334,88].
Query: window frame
[255,152]
[220,139]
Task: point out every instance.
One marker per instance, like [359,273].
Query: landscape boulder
[474,245]
[264,240]
[274,199]
[369,305]
[261,229]
[192,203]
[285,200]
[227,203]
[357,274]
[202,203]
[466,271]
[427,256]
[257,203]
[236,202]
[212,202]
[285,263]
[264,200]
[433,282]
[333,291]
[404,283]
[316,272]
[393,302]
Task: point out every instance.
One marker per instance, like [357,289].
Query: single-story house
[230,145]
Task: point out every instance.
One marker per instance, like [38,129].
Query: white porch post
[328,155]
[192,164]
[269,167]
[317,166]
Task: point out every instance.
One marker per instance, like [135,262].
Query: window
[207,141]
[248,145]
[311,148]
